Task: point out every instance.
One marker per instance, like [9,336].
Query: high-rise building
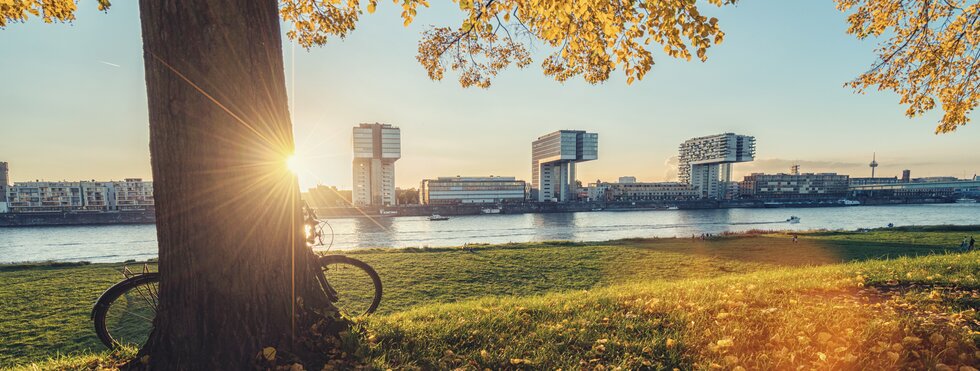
[706,162]
[376,148]
[906,176]
[4,181]
[553,159]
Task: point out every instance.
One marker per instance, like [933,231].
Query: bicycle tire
[375,278]
[104,303]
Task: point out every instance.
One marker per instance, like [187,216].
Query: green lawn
[520,302]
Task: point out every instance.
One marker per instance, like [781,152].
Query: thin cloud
[670,168]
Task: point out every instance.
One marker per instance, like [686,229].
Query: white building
[642,191]
[706,162]
[627,179]
[134,194]
[4,183]
[553,159]
[597,191]
[24,197]
[41,196]
[472,190]
[376,148]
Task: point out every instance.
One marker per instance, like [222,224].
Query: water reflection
[560,226]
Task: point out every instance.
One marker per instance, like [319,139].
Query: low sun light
[292,163]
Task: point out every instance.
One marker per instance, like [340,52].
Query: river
[116,243]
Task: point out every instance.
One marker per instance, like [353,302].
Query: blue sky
[74,104]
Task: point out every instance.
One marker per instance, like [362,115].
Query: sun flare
[293,164]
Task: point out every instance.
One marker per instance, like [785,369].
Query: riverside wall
[76,218]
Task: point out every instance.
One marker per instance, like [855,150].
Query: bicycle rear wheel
[124,313]
[356,286]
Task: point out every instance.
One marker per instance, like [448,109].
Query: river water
[115,243]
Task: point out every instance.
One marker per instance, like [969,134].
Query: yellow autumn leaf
[725,343]
[269,353]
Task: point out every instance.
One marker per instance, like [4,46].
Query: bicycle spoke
[129,318]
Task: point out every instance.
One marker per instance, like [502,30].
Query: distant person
[965,245]
[795,238]
[973,242]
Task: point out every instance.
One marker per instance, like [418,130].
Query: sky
[73,103]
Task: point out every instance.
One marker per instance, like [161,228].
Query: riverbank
[46,308]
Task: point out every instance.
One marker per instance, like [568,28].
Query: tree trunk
[232,257]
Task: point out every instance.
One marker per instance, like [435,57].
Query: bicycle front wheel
[124,313]
[356,286]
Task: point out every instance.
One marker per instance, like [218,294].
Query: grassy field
[750,301]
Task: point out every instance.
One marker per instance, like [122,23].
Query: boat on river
[437,217]
[965,200]
[793,219]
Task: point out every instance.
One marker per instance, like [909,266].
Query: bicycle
[123,314]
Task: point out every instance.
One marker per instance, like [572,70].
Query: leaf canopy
[929,52]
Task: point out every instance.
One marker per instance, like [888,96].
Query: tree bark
[232,258]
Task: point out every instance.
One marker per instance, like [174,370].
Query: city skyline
[783,88]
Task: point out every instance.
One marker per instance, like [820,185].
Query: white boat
[491,210]
[846,202]
[793,219]
[436,217]
[965,200]
[673,208]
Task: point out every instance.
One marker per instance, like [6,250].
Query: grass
[900,314]
[727,302]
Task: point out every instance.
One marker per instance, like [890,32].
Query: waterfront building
[42,196]
[790,186]
[655,191]
[376,148]
[934,179]
[472,190]
[4,181]
[553,159]
[598,191]
[906,175]
[917,190]
[133,194]
[706,162]
[869,181]
[96,196]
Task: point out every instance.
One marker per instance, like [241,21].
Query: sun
[293,164]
